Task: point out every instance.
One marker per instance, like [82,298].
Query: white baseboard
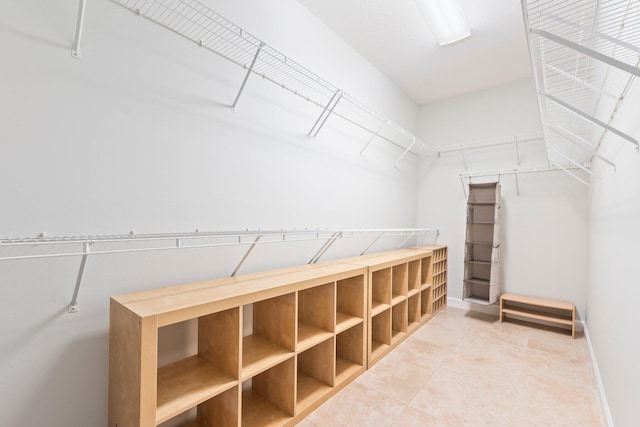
[458,303]
[604,405]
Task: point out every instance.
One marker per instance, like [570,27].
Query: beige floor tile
[467,369]
[401,381]
[355,406]
[544,400]
[411,417]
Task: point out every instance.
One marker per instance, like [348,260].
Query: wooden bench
[561,312]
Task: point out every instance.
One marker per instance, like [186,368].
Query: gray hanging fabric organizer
[482,244]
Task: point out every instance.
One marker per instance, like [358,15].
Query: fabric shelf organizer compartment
[482,244]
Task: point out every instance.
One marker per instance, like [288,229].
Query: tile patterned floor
[467,369]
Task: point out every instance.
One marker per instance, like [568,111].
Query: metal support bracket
[246,254]
[73,305]
[373,137]
[592,119]
[395,164]
[405,240]
[372,243]
[464,160]
[580,142]
[464,189]
[324,247]
[326,112]
[573,162]
[571,173]
[75,50]
[246,77]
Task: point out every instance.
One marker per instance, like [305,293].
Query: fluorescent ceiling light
[445,19]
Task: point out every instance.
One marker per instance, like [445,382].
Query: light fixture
[446,20]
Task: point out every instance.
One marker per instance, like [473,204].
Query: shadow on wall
[71,379]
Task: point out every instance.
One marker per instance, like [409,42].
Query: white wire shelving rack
[515,140]
[585,55]
[25,248]
[211,31]
[498,173]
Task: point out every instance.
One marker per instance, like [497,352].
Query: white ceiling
[394,37]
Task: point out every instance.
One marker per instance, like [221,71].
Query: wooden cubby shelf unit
[399,298]
[268,348]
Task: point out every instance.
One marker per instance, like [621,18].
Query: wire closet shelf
[201,25]
[85,246]
[585,54]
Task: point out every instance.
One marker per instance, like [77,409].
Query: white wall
[543,237]
[138,135]
[613,292]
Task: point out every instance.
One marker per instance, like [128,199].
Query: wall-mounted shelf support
[328,110]
[75,50]
[246,254]
[592,119]
[382,233]
[246,77]
[576,177]
[73,305]
[373,136]
[573,162]
[395,164]
[316,257]
[580,142]
[405,240]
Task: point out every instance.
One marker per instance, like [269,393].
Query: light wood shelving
[400,296]
[542,309]
[271,347]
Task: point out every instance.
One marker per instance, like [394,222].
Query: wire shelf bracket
[246,77]
[75,50]
[592,119]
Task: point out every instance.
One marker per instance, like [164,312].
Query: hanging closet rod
[201,25]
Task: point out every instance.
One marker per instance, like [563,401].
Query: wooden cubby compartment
[316,373]
[426,272]
[415,277]
[200,378]
[273,337]
[399,283]
[399,321]
[350,303]
[426,304]
[380,290]
[316,315]
[380,333]
[350,353]
[268,397]
[414,314]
